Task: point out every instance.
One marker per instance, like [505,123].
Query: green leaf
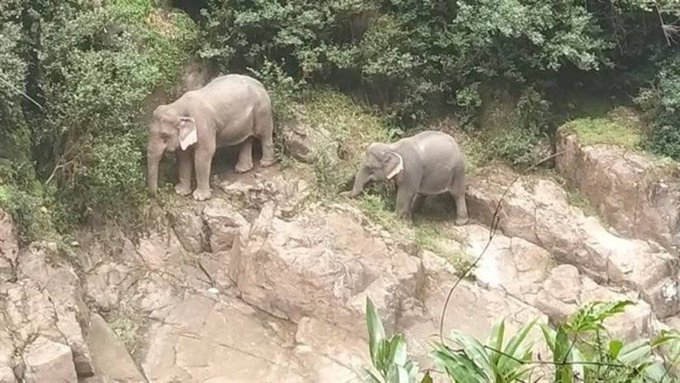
[376,332]
[475,351]
[516,349]
[398,350]
[427,378]
[496,340]
[614,348]
[635,353]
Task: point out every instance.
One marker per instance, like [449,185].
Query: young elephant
[427,163]
[229,110]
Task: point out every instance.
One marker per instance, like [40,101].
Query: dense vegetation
[72,144]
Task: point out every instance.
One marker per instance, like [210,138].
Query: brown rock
[109,355]
[321,267]
[48,361]
[637,195]
[224,224]
[472,309]
[7,375]
[62,284]
[538,210]
[190,230]
[297,143]
[565,291]
[330,353]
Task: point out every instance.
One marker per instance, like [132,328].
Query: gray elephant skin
[427,163]
[230,110]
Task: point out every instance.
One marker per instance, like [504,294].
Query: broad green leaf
[515,343]
[635,352]
[475,351]
[398,350]
[563,373]
[376,332]
[614,348]
[397,374]
[458,366]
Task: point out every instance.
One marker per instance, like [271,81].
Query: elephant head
[381,163]
[168,130]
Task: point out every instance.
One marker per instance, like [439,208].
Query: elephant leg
[267,141]
[245,157]
[185,166]
[202,161]
[417,202]
[458,193]
[405,198]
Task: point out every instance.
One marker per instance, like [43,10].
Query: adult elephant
[229,110]
[427,163]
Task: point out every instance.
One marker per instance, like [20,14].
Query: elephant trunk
[359,182]
[153,158]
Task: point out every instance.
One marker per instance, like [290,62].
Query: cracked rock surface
[262,283]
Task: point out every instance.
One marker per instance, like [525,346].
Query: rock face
[276,285]
[48,361]
[633,193]
[322,265]
[9,247]
[538,211]
[110,357]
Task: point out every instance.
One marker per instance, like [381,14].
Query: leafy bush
[99,65]
[582,351]
[662,106]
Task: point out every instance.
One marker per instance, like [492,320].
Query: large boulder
[538,211]
[207,340]
[323,265]
[472,309]
[48,361]
[111,358]
[633,192]
[41,264]
[224,224]
[565,291]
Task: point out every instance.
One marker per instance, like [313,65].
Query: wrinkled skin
[427,163]
[230,110]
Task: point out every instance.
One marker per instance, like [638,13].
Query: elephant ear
[393,164]
[187,132]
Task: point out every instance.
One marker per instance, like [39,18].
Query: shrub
[581,347]
[99,65]
[661,102]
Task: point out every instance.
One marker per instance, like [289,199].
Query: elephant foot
[462,221]
[182,190]
[240,168]
[201,195]
[266,162]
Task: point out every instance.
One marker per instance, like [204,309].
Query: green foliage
[93,67]
[341,129]
[582,351]
[601,130]
[388,355]
[661,102]
[494,362]
[410,55]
